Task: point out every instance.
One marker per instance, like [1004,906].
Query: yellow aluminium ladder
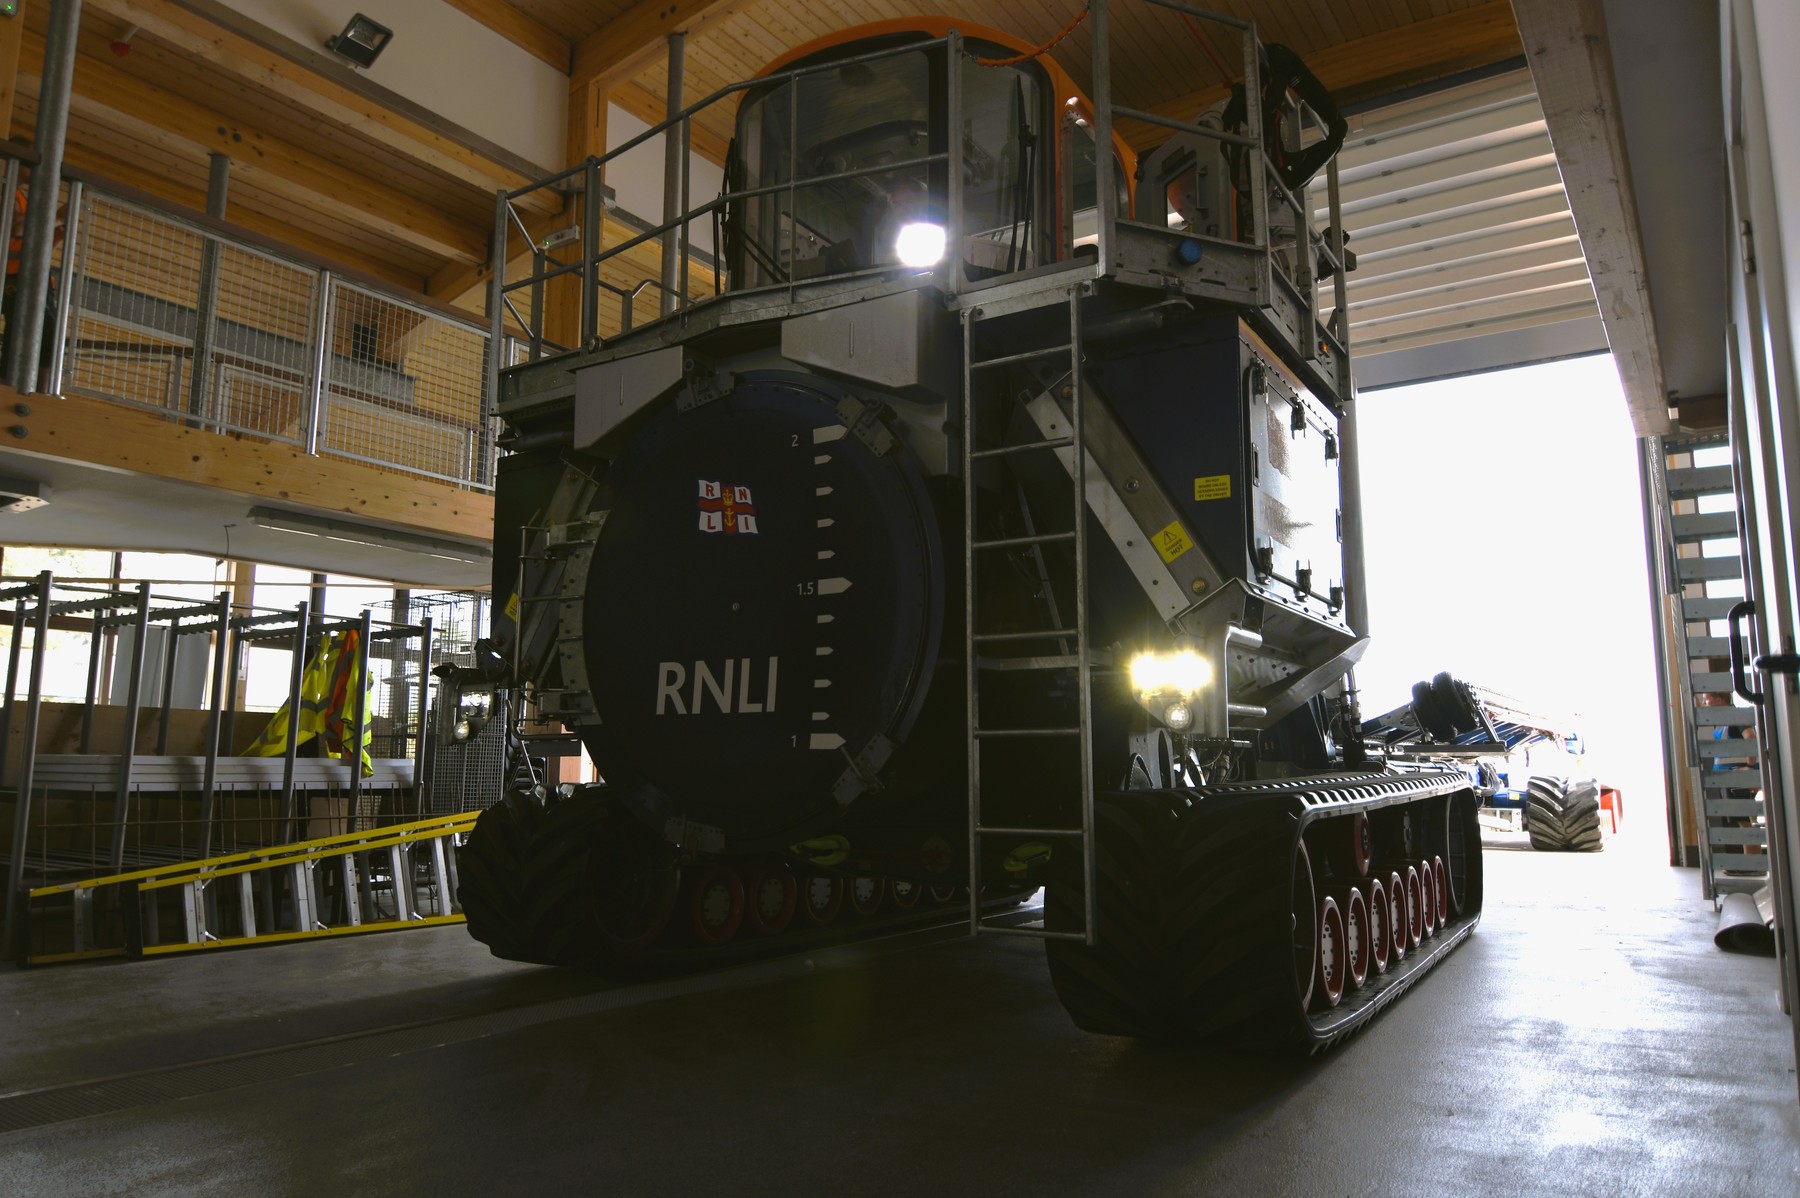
[331,886]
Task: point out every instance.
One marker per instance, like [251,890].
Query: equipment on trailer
[983,534]
[1453,722]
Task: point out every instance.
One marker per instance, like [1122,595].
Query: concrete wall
[1777,35]
[637,176]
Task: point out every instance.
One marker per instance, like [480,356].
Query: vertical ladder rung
[989,733]
[1030,355]
[1030,831]
[1052,443]
[1046,634]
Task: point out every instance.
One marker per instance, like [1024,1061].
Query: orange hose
[1041,50]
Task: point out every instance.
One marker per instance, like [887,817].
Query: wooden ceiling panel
[570,19]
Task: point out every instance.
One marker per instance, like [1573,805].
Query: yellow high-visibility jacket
[337,669]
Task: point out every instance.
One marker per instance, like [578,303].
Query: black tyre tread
[523,880]
[1193,936]
[1119,986]
[1563,816]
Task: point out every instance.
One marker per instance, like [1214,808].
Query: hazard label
[1213,486]
[512,608]
[1172,542]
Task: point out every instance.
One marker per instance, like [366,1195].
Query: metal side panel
[609,394]
[1138,518]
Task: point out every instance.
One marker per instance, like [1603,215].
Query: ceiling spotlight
[362,41]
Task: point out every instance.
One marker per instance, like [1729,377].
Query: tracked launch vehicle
[994,526]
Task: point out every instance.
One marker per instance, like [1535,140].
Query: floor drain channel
[105,1096]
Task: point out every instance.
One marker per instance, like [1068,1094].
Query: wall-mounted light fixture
[367,536]
[362,41]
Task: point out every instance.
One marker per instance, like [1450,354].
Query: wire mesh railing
[173,314]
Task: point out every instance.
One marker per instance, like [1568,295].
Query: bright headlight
[1181,673]
[920,243]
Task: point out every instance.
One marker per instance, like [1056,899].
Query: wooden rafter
[529,35]
[1566,43]
[225,51]
[620,48]
[156,116]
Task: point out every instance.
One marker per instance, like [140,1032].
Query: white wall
[636,177]
[1777,36]
[446,62]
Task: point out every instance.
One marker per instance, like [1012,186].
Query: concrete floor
[1589,1039]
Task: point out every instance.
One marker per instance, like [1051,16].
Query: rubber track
[1563,816]
[1194,935]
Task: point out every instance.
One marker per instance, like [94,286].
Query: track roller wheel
[1358,844]
[1440,885]
[1303,901]
[771,896]
[906,895]
[1381,937]
[716,906]
[1415,908]
[865,893]
[1427,900]
[1332,956]
[821,897]
[942,896]
[1359,945]
[1397,920]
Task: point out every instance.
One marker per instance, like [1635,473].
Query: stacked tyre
[1563,816]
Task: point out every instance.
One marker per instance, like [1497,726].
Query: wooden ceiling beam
[523,31]
[221,49]
[1566,44]
[630,41]
[1478,36]
[143,111]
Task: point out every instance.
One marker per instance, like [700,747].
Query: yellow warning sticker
[1213,486]
[512,608]
[1172,542]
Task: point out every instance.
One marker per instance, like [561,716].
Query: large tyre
[524,879]
[1198,921]
[1563,816]
[1120,985]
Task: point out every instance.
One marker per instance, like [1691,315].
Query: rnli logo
[726,509]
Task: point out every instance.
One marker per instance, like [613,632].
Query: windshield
[869,188]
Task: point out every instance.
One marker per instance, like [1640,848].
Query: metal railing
[594,253]
[226,331]
[146,767]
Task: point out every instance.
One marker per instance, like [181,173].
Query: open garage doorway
[1505,544]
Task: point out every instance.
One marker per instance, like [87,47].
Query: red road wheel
[1397,916]
[1427,899]
[1360,844]
[1381,936]
[1358,947]
[865,893]
[942,896]
[1415,909]
[821,895]
[1441,884]
[716,906]
[905,894]
[1303,904]
[771,895]
[1332,956]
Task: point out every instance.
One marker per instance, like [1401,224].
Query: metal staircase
[1703,568]
[1069,636]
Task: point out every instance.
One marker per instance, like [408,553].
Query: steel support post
[422,743]
[221,650]
[34,705]
[296,684]
[171,647]
[674,167]
[1100,21]
[96,648]
[12,683]
[218,182]
[591,241]
[70,297]
[358,725]
[1356,595]
[26,331]
[134,697]
[9,180]
[315,413]
[953,190]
